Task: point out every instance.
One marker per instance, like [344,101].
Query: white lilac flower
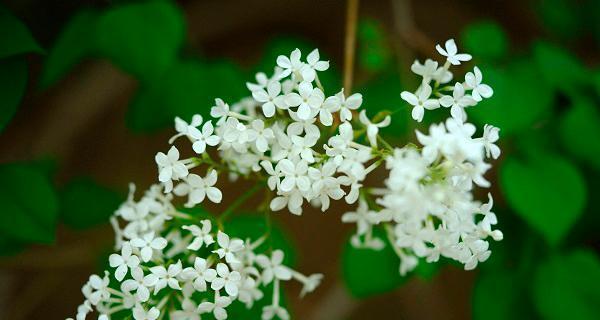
[363,217]
[458,102]
[263,135]
[479,90]
[202,236]
[313,64]
[420,101]
[98,288]
[189,311]
[217,308]
[183,128]
[228,247]
[124,261]
[147,244]
[491,135]
[347,105]
[170,168]
[200,274]
[270,98]
[426,70]
[291,65]
[137,283]
[451,53]
[373,128]
[308,99]
[161,277]
[308,149]
[139,313]
[272,267]
[227,279]
[203,138]
[197,188]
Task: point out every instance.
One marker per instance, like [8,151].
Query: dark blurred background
[92,123]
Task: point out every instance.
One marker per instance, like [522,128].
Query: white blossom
[451,53]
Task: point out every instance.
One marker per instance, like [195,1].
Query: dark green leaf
[76,41]
[578,128]
[142,38]
[497,295]
[513,108]
[188,88]
[368,272]
[561,17]
[485,40]
[9,247]
[253,226]
[560,68]
[373,52]
[15,38]
[382,93]
[13,82]
[566,287]
[30,205]
[547,191]
[85,204]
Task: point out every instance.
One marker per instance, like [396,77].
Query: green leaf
[561,17]
[142,38]
[30,205]
[382,93]
[578,127]
[188,88]
[15,38]
[13,82]
[496,296]
[373,52]
[368,272]
[512,108]
[547,191]
[9,247]
[253,226]
[566,287]
[76,41]
[86,204]
[559,68]
[485,40]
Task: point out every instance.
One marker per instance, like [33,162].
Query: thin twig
[350,44]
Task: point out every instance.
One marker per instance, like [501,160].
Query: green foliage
[368,272]
[485,40]
[15,38]
[561,17]
[76,41]
[187,88]
[13,82]
[578,127]
[85,204]
[141,38]
[30,204]
[520,100]
[496,296]
[559,68]
[565,286]
[373,52]
[547,191]
[253,226]
[383,93]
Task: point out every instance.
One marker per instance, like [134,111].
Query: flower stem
[350,44]
[238,202]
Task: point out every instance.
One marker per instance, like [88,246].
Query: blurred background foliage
[546,103]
